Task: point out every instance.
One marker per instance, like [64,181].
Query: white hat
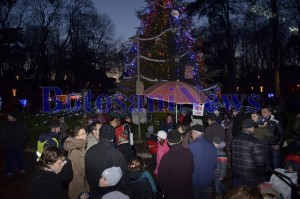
[162,134]
[112,175]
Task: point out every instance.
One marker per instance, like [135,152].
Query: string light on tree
[165,42]
[175,14]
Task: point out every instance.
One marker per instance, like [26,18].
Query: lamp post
[138,88]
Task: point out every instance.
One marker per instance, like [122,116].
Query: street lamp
[261,88]
[138,88]
[14,92]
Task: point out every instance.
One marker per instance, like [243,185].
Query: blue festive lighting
[23,102]
[174,17]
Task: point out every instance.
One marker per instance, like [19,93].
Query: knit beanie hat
[174,136]
[107,132]
[248,123]
[55,123]
[162,134]
[198,128]
[261,121]
[112,175]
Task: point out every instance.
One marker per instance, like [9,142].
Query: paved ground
[15,187]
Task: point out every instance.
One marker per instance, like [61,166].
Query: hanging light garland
[153,20]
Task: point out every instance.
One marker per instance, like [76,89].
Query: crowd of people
[190,159]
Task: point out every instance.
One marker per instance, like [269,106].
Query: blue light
[270,95]
[23,102]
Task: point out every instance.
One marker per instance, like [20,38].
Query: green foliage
[38,124]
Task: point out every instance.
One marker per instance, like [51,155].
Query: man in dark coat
[248,157]
[101,156]
[205,161]
[15,134]
[214,131]
[277,140]
[238,117]
[176,169]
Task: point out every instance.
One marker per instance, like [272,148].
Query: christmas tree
[166,48]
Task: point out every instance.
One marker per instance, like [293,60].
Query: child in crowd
[151,141]
[110,177]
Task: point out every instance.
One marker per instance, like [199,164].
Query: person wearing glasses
[45,182]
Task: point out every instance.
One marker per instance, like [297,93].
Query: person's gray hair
[198,132]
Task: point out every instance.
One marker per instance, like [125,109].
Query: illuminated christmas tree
[166,47]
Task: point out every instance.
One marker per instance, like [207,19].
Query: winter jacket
[248,157]
[48,137]
[228,133]
[44,184]
[142,185]
[14,134]
[167,126]
[51,139]
[76,153]
[284,189]
[185,119]
[205,161]
[186,138]
[99,157]
[47,140]
[175,173]
[215,132]
[161,151]
[277,130]
[237,123]
[91,140]
[262,133]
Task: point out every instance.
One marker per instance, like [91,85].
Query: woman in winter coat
[76,145]
[162,148]
[45,182]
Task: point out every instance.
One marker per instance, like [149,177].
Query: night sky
[122,13]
